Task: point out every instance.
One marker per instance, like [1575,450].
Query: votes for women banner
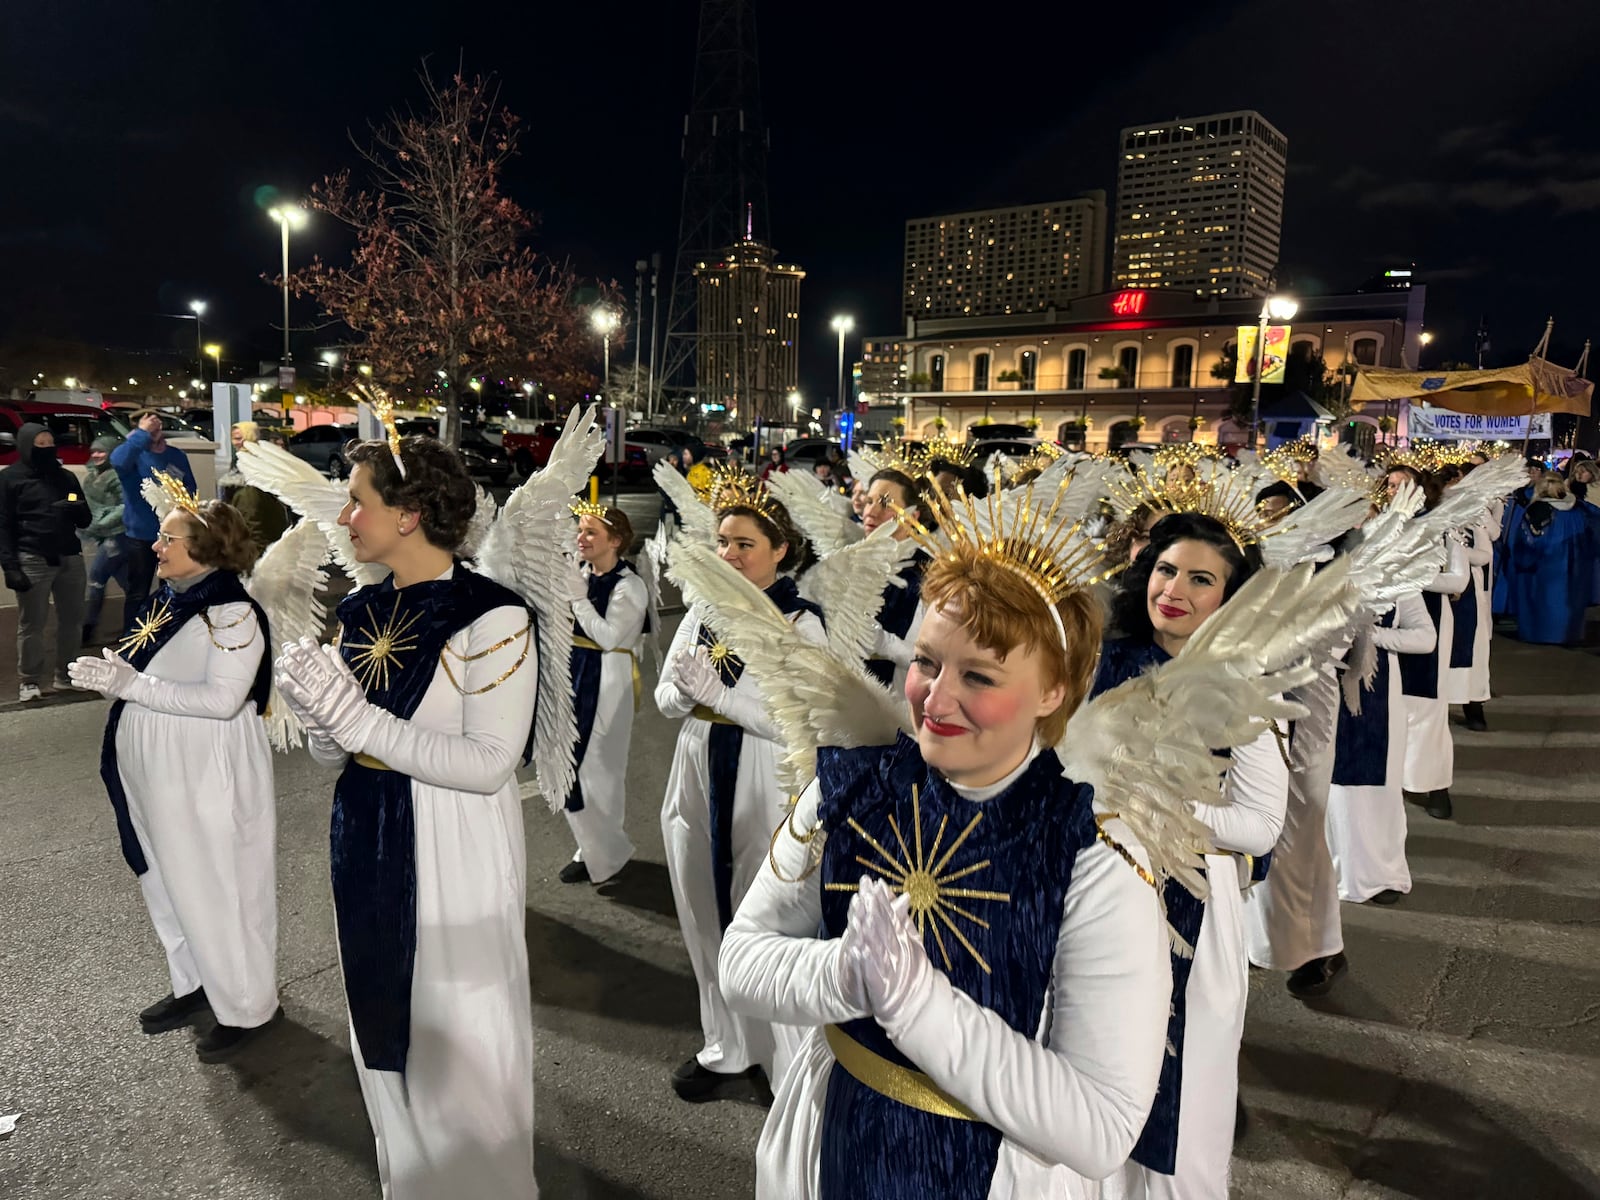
[1443,425]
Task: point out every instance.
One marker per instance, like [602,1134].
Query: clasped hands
[696,677]
[883,965]
[322,691]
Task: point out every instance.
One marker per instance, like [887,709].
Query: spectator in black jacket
[42,507]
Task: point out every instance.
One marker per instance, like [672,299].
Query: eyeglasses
[166,539]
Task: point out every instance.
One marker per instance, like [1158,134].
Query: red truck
[529,452]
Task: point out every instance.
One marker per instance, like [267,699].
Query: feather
[1340,467]
[482,520]
[849,586]
[1304,530]
[526,550]
[652,558]
[806,499]
[698,519]
[863,465]
[1146,746]
[815,697]
[286,581]
[1464,501]
[156,497]
[310,493]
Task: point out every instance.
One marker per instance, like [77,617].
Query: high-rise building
[747,356]
[1200,204]
[999,261]
[882,371]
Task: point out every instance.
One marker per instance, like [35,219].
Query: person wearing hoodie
[41,510]
[105,534]
[144,453]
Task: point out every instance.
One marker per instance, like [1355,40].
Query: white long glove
[867,926]
[696,678]
[111,675]
[893,963]
[321,744]
[320,683]
[577,584]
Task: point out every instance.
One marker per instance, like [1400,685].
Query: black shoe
[1316,978]
[1472,716]
[697,1085]
[574,872]
[1438,804]
[171,1011]
[225,1040]
[1386,897]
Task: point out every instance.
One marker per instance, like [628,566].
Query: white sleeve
[669,699]
[773,966]
[1082,1099]
[623,623]
[899,650]
[1257,793]
[496,711]
[232,660]
[744,702]
[1453,578]
[1413,631]
[1481,552]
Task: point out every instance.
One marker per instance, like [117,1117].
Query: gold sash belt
[583,643]
[702,713]
[375,764]
[911,1088]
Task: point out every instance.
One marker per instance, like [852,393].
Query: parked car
[483,459]
[75,426]
[177,429]
[528,452]
[996,431]
[656,443]
[808,450]
[323,447]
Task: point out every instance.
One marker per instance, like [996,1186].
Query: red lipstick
[940,729]
[1172,614]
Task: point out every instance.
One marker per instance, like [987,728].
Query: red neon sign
[1128,304]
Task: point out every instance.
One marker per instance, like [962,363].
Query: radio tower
[724,172]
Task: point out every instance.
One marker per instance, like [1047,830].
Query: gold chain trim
[214,629]
[446,654]
[809,840]
[1283,744]
[1100,820]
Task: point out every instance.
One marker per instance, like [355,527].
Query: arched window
[1077,368]
[980,371]
[1028,367]
[1365,351]
[1128,360]
[936,373]
[1183,366]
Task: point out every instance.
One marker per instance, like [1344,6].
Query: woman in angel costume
[610,623]
[425,705]
[189,771]
[967,920]
[723,798]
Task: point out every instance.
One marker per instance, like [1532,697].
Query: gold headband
[180,495]
[732,488]
[588,508]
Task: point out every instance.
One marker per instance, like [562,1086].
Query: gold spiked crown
[180,495]
[1222,494]
[383,409]
[730,487]
[590,508]
[1185,454]
[1016,530]
[962,454]
[1285,462]
[897,454]
[1425,455]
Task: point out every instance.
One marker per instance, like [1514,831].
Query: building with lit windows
[1200,205]
[1114,360]
[882,370]
[748,333]
[998,261]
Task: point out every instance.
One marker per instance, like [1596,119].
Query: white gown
[1257,789]
[1070,1102]
[603,843]
[1466,685]
[1367,825]
[1430,753]
[732,1042]
[194,760]
[458,1125]
[1292,916]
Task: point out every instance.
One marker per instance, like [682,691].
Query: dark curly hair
[1130,611]
[779,529]
[915,492]
[436,485]
[222,538]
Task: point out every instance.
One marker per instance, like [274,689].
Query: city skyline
[139,185]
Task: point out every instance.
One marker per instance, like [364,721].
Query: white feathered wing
[311,494]
[286,582]
[807,500]
[849,586]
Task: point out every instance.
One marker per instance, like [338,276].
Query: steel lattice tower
[724,171]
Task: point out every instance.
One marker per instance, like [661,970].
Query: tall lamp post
[287,216]
[842,324]
[198,308]
[1276,308]
[604,321]
[214,353]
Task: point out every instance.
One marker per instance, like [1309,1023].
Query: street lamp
[1276,308]
[842,324]
[198,308]
[287,215]
[527,390]
[214,351]
[604,321]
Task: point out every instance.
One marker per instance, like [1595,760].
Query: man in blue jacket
[144,453]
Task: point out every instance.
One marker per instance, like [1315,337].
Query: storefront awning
[1536,386]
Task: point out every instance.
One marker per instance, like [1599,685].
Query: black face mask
[45,457]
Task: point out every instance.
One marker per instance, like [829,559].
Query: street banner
[1277,354]
[1443,425]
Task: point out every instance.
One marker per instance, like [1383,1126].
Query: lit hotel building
[747,358]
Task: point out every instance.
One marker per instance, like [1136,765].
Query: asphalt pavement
[1458,1058]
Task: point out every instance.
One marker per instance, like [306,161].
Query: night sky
[141,143]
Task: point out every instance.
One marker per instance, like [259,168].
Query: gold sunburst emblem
[380,653]
[723,658]
[146,629]
[925,879]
